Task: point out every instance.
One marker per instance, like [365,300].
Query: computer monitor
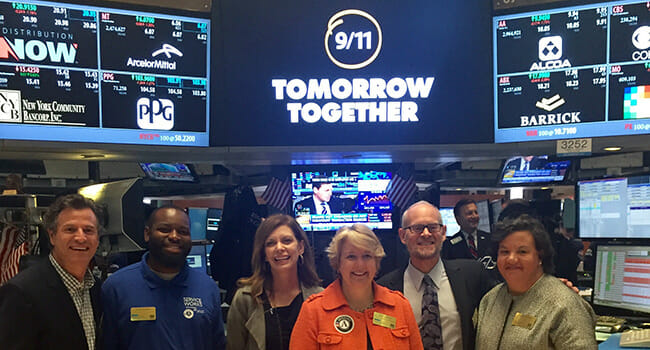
[449,219]
[614,208]
[622,278]
[484,215]
[198,258]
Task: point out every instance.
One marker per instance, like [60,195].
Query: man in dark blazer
[322,199]
[461,285]
[54,304]
[458,245]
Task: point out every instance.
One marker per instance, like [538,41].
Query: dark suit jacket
[469,282]
[336,205]
[456,246]
[36,312]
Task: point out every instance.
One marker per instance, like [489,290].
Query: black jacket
[36,312]
[469,282]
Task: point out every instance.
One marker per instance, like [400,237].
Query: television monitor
[342,72]
[495,208]
[214,219]
[124,215]
[614,208]
[524,170]
[353,197]
[80,73]
[170,172]
[198,258]
[449,220]
[571,72]
[622,278]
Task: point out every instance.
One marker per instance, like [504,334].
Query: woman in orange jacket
[354,312]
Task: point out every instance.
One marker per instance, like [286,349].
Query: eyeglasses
[418,229]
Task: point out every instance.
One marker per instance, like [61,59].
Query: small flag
[12,247]
[277,193]
[400,191]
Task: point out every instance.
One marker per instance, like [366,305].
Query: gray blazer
[245,326]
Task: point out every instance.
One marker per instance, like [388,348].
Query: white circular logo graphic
[188,313]
[348,40]
[344,324]
[641,38]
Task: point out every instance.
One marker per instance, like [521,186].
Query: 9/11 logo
[155,113]
[353,39]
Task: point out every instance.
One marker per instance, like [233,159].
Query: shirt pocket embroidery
[329,338]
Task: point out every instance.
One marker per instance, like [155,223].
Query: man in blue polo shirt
[159,302]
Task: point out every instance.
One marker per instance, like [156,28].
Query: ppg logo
[155,113]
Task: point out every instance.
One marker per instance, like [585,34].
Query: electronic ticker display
[89,74]
[572,72]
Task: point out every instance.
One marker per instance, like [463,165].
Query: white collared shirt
[319,207]
[449,317]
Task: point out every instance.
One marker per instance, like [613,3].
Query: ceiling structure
[473,166]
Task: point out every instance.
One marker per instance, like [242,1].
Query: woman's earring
[301,259]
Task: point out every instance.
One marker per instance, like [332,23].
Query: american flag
[400,191]
[13,245]
[277,193]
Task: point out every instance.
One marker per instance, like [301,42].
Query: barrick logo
[550,104]
[550,54]
[37,50]
[641,40]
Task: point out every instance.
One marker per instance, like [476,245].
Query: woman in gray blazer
[266,305]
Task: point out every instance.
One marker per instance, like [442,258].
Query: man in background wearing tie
[322,201]
[443,293]
[469,242]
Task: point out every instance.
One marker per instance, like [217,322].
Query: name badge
[524,321]
[143,313]
[456,240]
[383,320]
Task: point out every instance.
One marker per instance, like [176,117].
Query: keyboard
[636,338]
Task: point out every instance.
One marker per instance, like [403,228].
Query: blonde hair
[360,236]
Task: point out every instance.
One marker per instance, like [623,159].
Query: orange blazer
[327,322]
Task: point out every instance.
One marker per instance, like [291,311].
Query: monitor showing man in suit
[322,200]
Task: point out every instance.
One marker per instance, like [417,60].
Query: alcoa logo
[641,40]
[550,54]
[550,48]
[37,50]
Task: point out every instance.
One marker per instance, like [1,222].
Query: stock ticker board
[89,74]
[580,71]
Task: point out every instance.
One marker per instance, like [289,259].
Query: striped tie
[430,328]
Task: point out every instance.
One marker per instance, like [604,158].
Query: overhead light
[545,188]
[92,156]
[459,189]
[612,149]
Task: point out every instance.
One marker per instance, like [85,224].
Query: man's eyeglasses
[418,229]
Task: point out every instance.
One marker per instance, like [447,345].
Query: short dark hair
[71,201]
[461,203]
[528,223]
[152,216]
[318,184]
